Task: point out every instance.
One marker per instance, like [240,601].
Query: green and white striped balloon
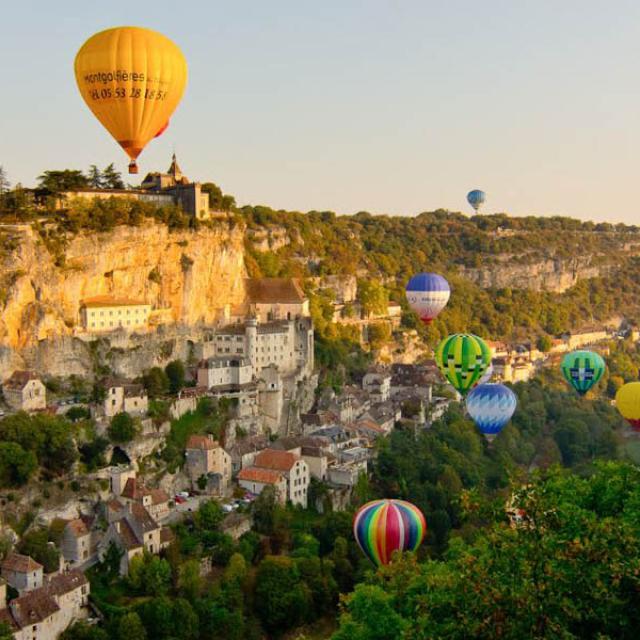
[463,358]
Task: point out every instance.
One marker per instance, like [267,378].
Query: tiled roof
[111,301]
[202,442]
[274,290]
[158,496]
[143,517]
[369,425]
[127,534]
[275,459]
[78,527]
[137,491]
[115,505]
[20,563]
[33,607]
[65,582]
[265,476]
[19,379]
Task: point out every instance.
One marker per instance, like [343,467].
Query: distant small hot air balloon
[628,403]
[582,369]
[491,407]
[428,294]
[132,79]
[382,527]
[463,359]
[476,198]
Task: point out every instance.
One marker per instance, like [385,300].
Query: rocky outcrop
[187,277]
[547,275]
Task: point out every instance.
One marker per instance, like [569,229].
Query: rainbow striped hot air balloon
[382,527]
[428,294]
[463,359]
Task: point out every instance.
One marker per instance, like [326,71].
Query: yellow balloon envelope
[132,79]
[628,403]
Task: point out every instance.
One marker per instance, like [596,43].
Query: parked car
[180,500]
[227,508]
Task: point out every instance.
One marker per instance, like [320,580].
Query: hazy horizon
[393,107]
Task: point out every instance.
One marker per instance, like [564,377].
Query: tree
[16,464]
[209,516]
[112,179]
[35,543]
[189,580]
[4,181]
[149,574]
[130,627]
[218,201]
[372,297]
[156,382]
[264,507]
[379,334]
[94,176]
[122,429]
[81,631]
[282,601]
[55,181]
[175,374]
[544,343]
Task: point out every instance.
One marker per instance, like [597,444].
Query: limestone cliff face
[187,277]
[547,275]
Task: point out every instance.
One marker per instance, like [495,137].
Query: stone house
[124,396]
[206,456]
[255,480]
[155,501]
[377,383]
[108,313]
[23,573]
[44,613]
[276,299]
[77,542]
[292,467]
[244,451]
[24,391]
[133,531]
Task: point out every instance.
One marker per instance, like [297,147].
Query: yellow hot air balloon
[628,403]
[132,79]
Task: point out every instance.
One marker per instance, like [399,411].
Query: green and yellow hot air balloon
[463,359]
[582,369]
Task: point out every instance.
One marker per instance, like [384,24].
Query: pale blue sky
[390,106]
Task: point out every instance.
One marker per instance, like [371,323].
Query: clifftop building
[161,189]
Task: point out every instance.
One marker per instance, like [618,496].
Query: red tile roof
[275,290]
[275,459]
[22,564]
[78,527]
[110,301]
[19,379]
[202,442]
[265,476]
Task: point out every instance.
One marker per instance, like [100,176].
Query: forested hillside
[601,258]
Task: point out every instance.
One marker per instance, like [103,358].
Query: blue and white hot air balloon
[428,294]
[476,198]
[491,406]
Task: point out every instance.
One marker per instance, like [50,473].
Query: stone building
[276,299]
[21,572]
[255,480]
[155,501]
[160,189]
[24,391]
[205,457]
[122,395]
[224,371]
[77,542]
[45,612]
[108,313]
[292,467]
